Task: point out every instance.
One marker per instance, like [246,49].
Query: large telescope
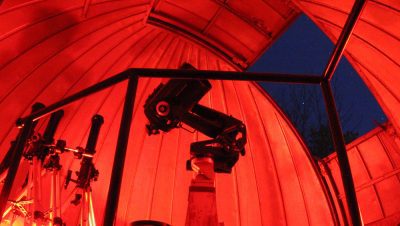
[176,102]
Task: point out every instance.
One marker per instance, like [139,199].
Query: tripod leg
[92,219]
[30,187]
[6,212]
[37,212]
[58,195]
[84,208]
[55,198]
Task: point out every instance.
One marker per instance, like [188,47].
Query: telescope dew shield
[97,122]
[55,118]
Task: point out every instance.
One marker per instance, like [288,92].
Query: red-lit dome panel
[217,24]
[52,49]
[375,164]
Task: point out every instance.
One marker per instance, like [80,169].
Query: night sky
[303,48]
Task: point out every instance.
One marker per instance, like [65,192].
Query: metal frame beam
[333,116]
[120,153]
[343,39]
[173,73]
[343,160]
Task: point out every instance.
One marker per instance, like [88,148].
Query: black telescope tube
[97,122]
[48,135]
[87,169]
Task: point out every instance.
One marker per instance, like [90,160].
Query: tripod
[44,157]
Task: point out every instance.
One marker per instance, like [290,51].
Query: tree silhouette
[305,107]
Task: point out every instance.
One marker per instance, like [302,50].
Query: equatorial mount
[176,102]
